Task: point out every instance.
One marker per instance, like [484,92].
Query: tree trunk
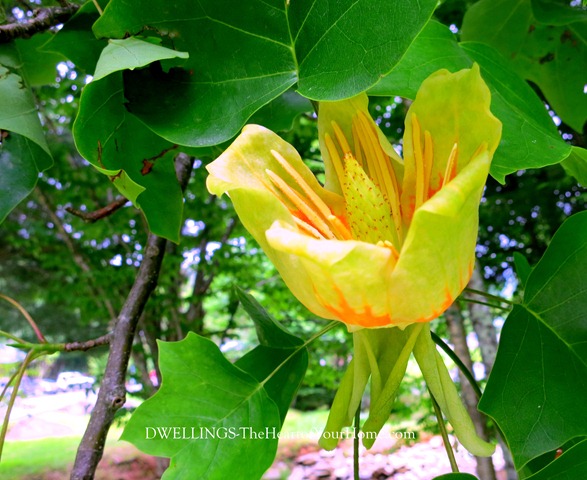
[458,335]
[482,321]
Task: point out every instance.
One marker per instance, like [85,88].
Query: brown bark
[482,321]
[112,394]
[43,19]
[458,335]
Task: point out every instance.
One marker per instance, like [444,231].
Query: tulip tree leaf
[23,148]
[112,139]
[281,357]
[201,389]
[572,464]
[76,40]
[540,373]
[26,56]
[131,53]
[551,52]
[576,164]
[529,137]
[244,54]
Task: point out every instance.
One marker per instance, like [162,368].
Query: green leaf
[540,375]
[35,66]
[131,53]
[111,138]
[201,389]
[23,148]
[245,54]
[344,47]
[576,164]
[18,171]
[523,268]
[19,111]
[550,53]
[76,40]
[269,331]
[529,137]
[280,113]
[280,361]
[571,465]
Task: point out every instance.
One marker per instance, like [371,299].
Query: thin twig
[88,344]
[26,315]
[441,425]
[489,295]
[479,302]
[91,217]
[42,20]
[112,393]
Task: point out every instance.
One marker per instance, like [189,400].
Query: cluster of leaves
[185,77]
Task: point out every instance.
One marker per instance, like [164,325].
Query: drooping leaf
[18,170]
[245,54]
[112,139]
[201,390]
[23,148]
[540,375]
[551,52]
[529,137]
[280,361]
[279,114]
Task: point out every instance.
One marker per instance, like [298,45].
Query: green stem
[97,5]
[458,362]
[441,425]
[18,377]
[26,315]
[12,337]
[356,443]
[8,383]
[479,302]
[489,295]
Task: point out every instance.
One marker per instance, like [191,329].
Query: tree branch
[103,212]
[112,394]
[43,19]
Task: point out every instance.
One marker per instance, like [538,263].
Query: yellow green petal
[454,109]
[438,255]
[444,391]
[349,278]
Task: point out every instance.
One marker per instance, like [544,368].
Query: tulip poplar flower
[386,242]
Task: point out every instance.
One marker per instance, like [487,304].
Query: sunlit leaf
[201,389]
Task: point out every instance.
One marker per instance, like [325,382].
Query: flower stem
[458,362]
[441,425]
[489,295]
[356,443]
